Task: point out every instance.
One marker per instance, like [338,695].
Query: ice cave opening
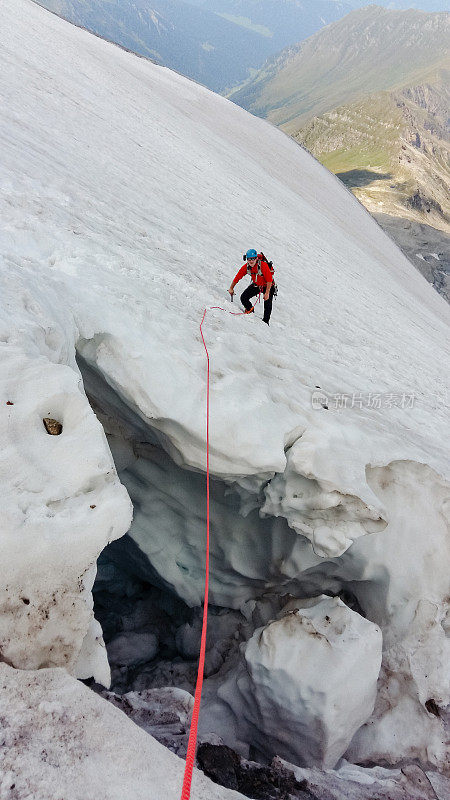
[149,585]
[289,630]
[151,615]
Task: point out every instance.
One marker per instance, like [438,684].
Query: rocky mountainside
[193,41]
[368,51]
[426,247]
[392,149]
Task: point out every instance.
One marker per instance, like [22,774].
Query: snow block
[307,682]
[327,499]
[61,498]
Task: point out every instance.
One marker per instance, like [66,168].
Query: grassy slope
[368,51]
[389,147]
[362,135]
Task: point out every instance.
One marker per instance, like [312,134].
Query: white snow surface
[60,739]
[127,195]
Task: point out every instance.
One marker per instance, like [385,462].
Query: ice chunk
[306,683]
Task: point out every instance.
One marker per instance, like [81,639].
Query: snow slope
[127,196]
[74,744]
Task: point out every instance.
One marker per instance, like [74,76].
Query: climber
[262,281]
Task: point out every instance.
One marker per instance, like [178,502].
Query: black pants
[252,291]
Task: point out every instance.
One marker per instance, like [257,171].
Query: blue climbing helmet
[251,254]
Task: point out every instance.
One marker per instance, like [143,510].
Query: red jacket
[260,280]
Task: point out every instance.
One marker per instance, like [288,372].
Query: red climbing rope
[192,743]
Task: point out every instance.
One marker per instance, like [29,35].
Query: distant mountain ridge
[190,40]
[284,22]
[368,51]
[219,43]
[420,5]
